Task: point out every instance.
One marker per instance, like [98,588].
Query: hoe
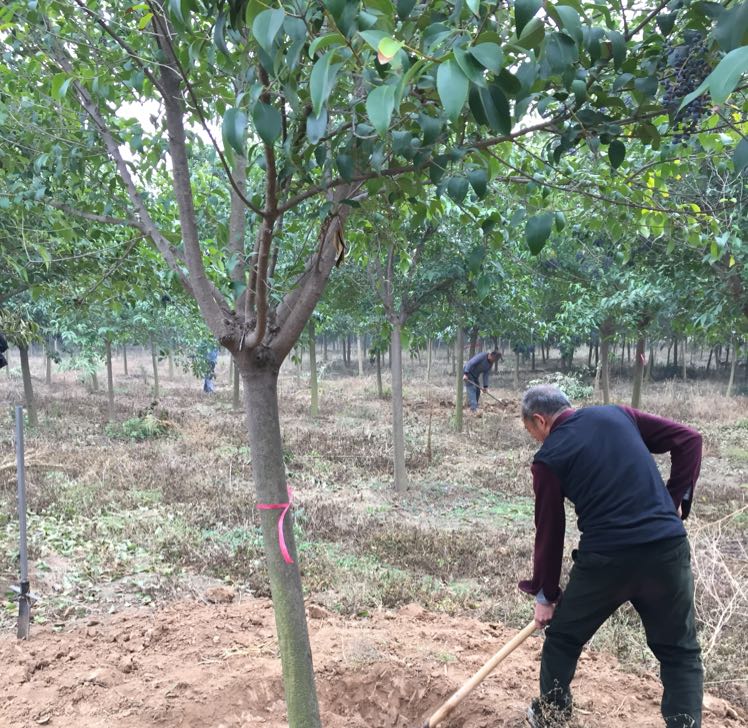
[446,708]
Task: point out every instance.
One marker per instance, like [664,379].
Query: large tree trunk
[124,357]
[109,379]
[636,394]
[28,389]
[260,381]
[458,361]
[314,407]
[235,399]
[154,362]
[398,434]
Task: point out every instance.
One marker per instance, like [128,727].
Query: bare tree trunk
[684,358]
[606,331]
[428,362]
[124,357]
[235,399]
[398,434]
[48,350]
[324,348]
[636,394]
[515,378]
[675,351]
[459,362]
[154,362]
[473,341]
[360,352]
[733,367]
[314,408]
[109,379]
[380,390]
[709,360]
[260,389]
[94,382]
[28,389]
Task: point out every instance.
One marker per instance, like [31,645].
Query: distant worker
[633,546]
[471,372]
[211,359]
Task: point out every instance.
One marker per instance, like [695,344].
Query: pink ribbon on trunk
[284,507]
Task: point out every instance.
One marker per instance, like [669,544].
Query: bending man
[633,546]
[471,372]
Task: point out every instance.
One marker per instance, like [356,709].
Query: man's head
[540,407]
[494,355]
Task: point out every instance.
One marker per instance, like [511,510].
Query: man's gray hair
[544,399]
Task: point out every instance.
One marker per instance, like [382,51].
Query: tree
[345,100]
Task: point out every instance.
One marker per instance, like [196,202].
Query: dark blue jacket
[607,472]
[478,365]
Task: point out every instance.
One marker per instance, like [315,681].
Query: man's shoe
[542,714]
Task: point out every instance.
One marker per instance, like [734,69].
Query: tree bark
[109,379]
[235,398]
[398,434]
[154,362]
[636,394]
[675,351]
[260,379]
[124,357]
[458,362]
[515,377]
[314,406]
[28,389]
[684,358]
[733,367]
[94,382]
[49,348]
[171,366]
[380,390]
[360,352]
[473,341]
[606,331]
[428,362]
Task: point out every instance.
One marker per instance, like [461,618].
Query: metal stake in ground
[446,708]
[24,597]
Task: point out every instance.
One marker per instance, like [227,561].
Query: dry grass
[148,519]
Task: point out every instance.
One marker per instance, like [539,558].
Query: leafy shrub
[570,384]
[138,428]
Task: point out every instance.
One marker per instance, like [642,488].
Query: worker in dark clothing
[633,546]
[471,372]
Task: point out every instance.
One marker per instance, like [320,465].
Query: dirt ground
[203,665]
[153,608]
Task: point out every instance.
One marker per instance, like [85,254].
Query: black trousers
[657,579]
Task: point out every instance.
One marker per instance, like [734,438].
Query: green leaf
[233,129]
[474,7]
[489,55]
[560,51]
[388,48]
[570,22]
[267,121]
[732,28]
[532,34]
[524,11]
[478,179]
[219,34]
[404,8]
[490,108]
[344,163]
[452,86]
[470,67]
[175,8]
[60,85]
[560,220]
[665,22]
[579,89]
[380,103]
[325,41]
[431,128]
[372,37]
[266,26]
[321,81]
[457,188]
[619,48]
[616,153]
[316,126]
[538,230]
[740,156]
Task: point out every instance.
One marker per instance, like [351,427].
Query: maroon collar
[562,418]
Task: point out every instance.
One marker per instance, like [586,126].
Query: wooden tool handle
[444,711]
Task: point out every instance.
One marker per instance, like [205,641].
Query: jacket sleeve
[684,445]
[550,524]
